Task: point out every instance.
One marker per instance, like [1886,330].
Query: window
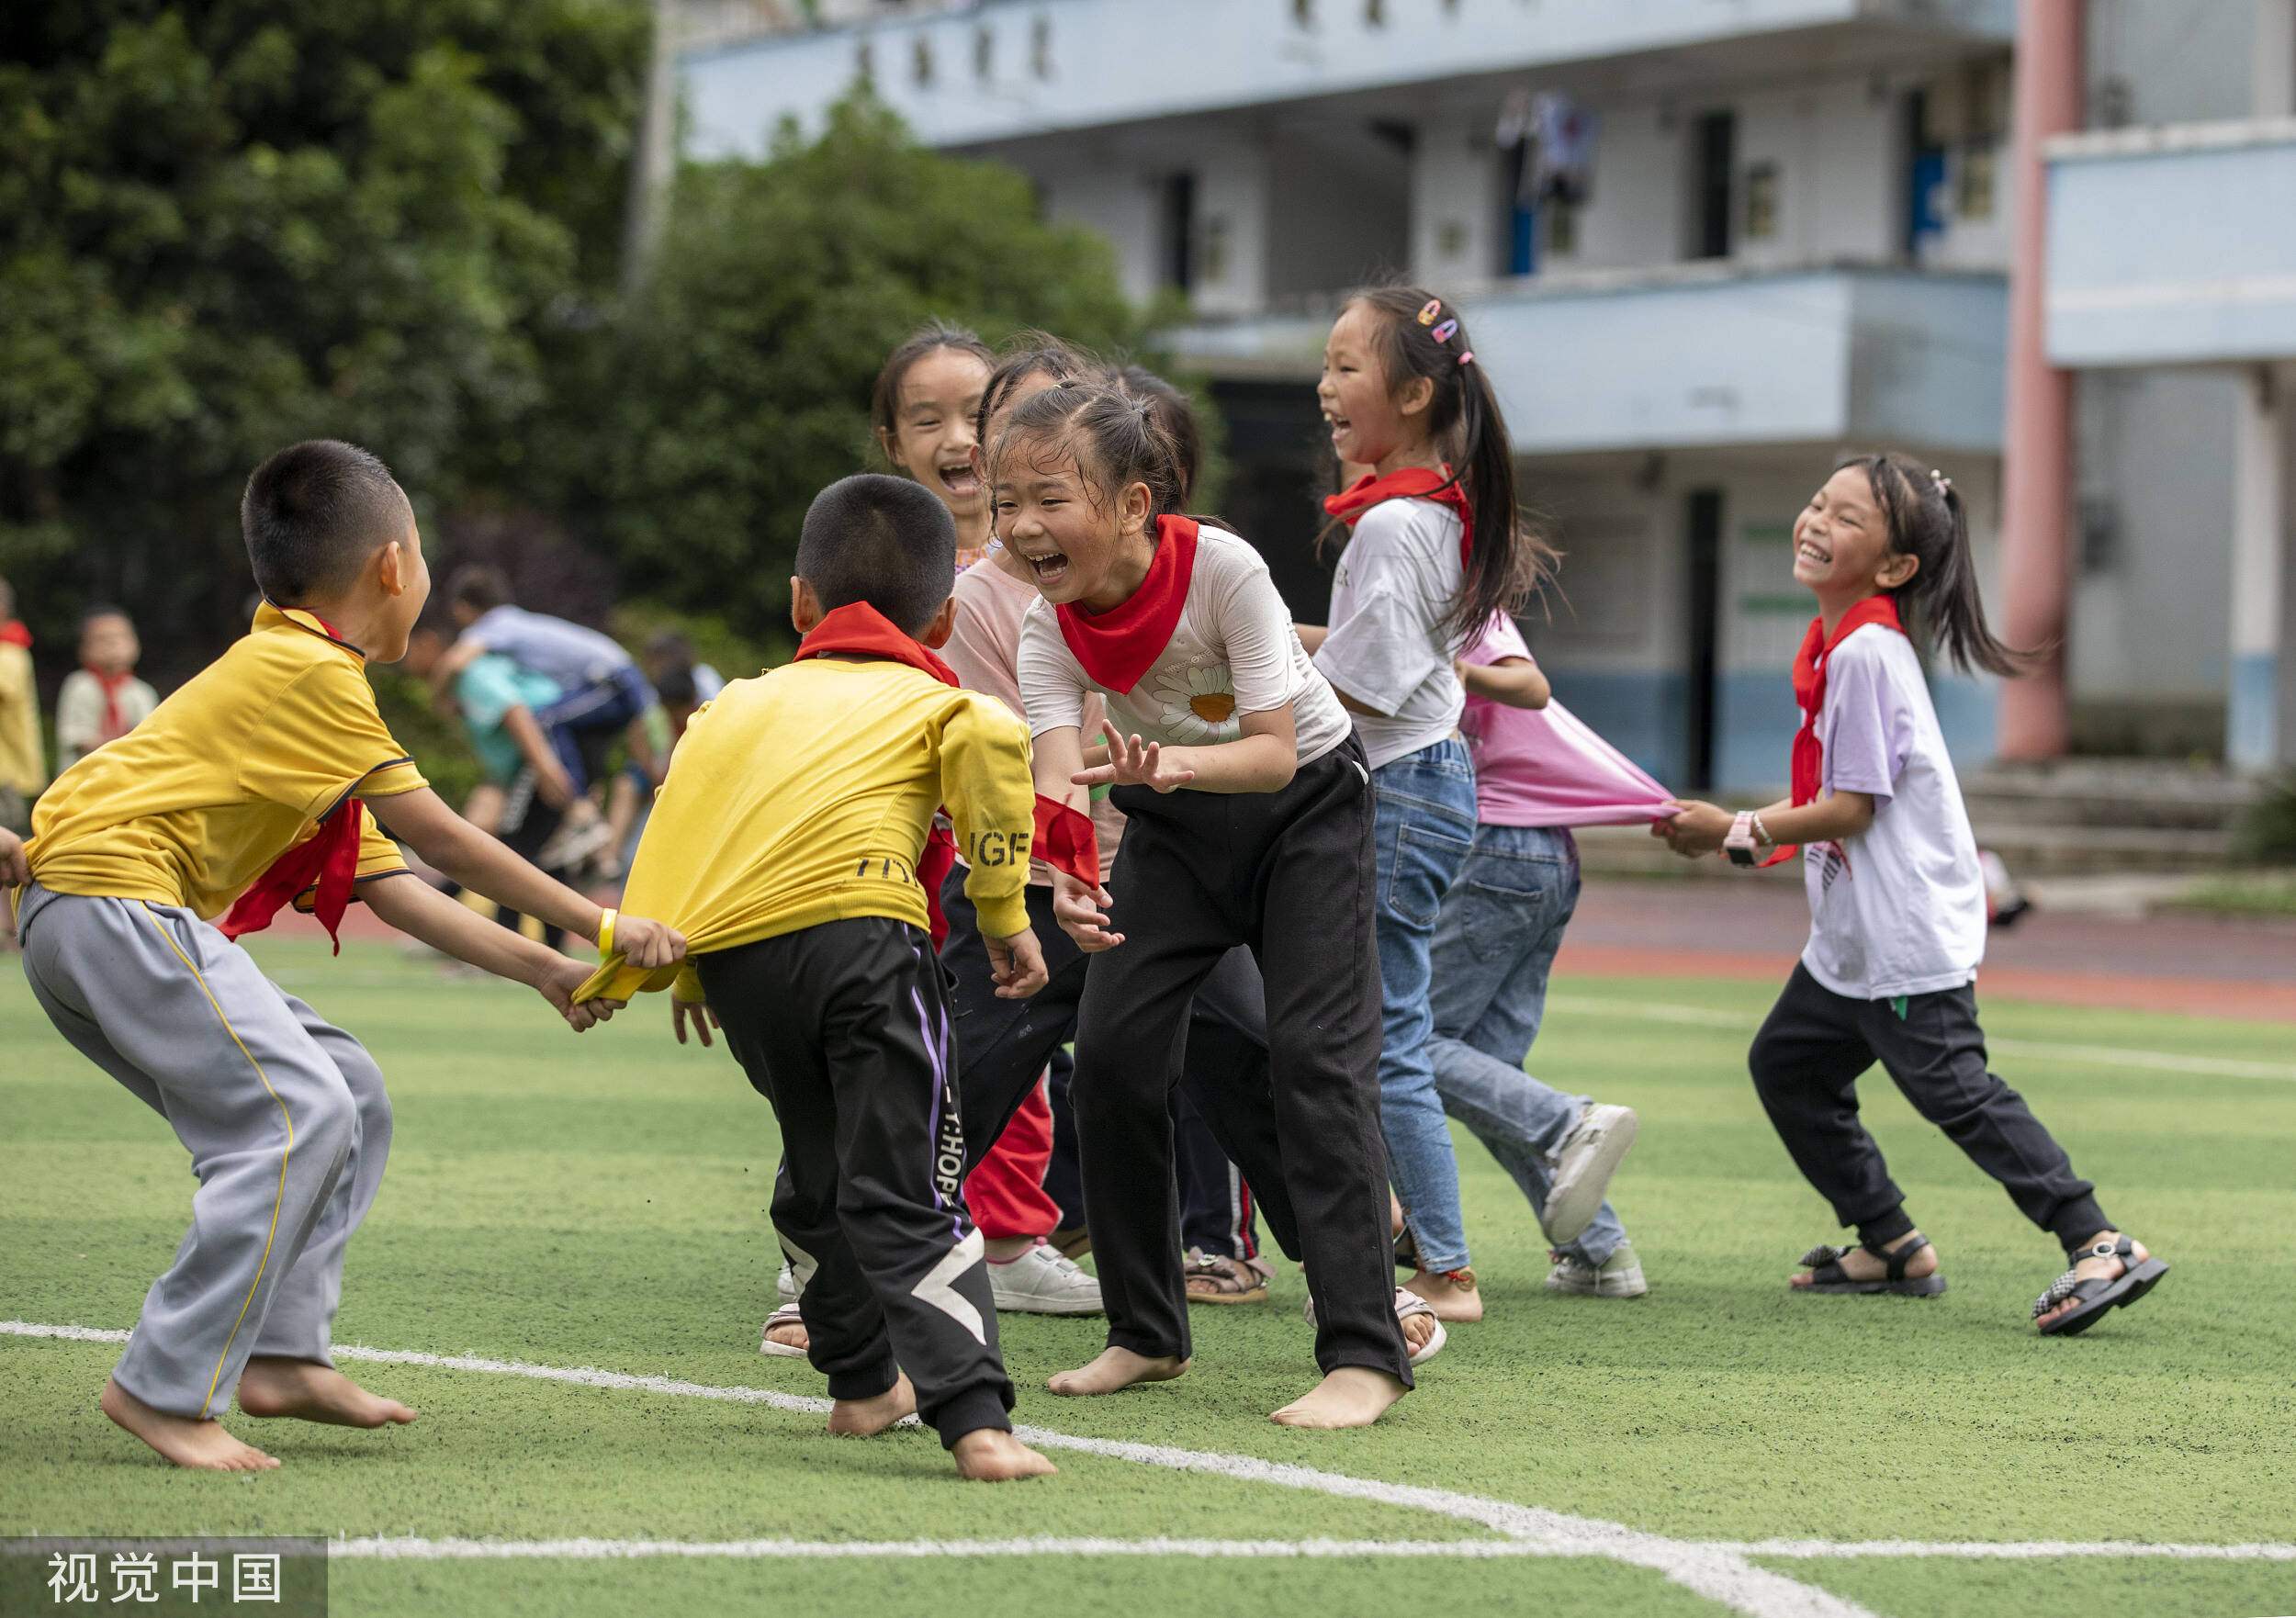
[983,52]
[1303,14]
[1762,201]
[1714,141]
[1375,14]
[1176,216]
[1041,46]
[921,67]
[865,63]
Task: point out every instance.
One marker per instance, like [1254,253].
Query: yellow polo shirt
[22,763]
[805,796]
[228,773]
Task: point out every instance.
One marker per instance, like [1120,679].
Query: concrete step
[2108,794]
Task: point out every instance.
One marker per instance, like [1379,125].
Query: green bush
[2266,832]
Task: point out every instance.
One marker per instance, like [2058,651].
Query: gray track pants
[284,1114]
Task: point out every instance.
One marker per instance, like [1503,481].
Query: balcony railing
[1698,355]
[2173,245]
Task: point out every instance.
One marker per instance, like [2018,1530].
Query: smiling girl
[924,407]
[1438,549]
[1898,912]
[1248,822]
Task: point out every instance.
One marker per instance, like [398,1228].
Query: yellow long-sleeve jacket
[805,795]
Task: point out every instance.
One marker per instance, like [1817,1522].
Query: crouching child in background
[794,842]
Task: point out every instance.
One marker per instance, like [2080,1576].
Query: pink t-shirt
[1542,766]
[984,650]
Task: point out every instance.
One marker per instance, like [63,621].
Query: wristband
[1740,844]
[605,932]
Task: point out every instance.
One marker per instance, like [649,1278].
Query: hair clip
[1942,483]
[1445,332]
[1466,356]
[1429,310]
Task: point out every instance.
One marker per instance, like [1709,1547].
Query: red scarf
[1407,483]
[859,628]
[1809,691]
[112,685]
[1119,647]
[13,633]
[330,859]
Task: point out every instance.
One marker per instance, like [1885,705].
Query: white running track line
[1717,1570]
[1706,1017]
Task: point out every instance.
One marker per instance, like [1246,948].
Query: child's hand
[1132,765]
[1017,965]
[705,1019]
[1697,827]
[558,985]
[16,870]
[1077,908]
[648,944]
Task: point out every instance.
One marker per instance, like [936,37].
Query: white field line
[2219,1067]
[1717,1568]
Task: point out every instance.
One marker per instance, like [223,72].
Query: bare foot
[1453,1295]
[1860,1265]
[991,1455]
[1114,1370]
[865,1418]
[181,1440]
[312,1392]
[1353,1395]
[2091,1267]
[1418,1330]
[789,1336]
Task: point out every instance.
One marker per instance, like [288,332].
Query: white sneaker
[1589,1156]
[1040,1282]
[1620,1276]
[785,1284]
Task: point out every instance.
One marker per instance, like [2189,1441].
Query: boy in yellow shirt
[791,843]
[248,789]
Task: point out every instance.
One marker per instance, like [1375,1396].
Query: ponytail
[1941,604]
[1507,562]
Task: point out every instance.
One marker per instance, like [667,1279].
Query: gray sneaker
[1041,1282]
[1587,1159]
[1620,1276]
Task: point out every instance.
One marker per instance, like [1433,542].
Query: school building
[1703,247]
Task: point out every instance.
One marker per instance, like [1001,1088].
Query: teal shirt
[487,690]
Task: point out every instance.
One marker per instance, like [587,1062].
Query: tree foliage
[228,224]
[741,377]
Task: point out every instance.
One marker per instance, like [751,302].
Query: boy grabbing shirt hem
[806,891]
[248,789]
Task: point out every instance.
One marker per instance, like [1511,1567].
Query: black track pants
[1003,1046]
[1805,1063]
[844,1027]
[1289,873]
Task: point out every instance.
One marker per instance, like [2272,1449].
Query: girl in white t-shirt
[1248,821]
[1897,910]
[1434,553]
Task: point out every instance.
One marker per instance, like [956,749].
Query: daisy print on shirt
[1198,704]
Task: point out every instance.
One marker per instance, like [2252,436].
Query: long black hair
[1118,439]
[1927,521]
[1508,561]
[1027,354]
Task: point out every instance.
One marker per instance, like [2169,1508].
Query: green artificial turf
[601,1202]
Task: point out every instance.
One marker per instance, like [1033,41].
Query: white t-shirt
[1898,909]
[1397,582]
[1233,653]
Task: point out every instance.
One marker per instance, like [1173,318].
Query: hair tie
[1943,483]
[1466,356]
[1429,310]
[1445,332]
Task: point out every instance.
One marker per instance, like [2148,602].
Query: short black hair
[881,540]
[480,588]
[103,610]
[675,686]
[312,515]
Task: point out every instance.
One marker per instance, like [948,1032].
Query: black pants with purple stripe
[845,1028]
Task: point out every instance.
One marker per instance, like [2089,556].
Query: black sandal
[1827,1275]
[2097,1293]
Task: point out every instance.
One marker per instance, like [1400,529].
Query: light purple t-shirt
[1898,909]
[1542,766]
[567,653]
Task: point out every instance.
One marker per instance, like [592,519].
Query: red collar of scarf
[13,633]
[1119,647]
[1809,690]
[112,686]
[1407,483]
[1064,837]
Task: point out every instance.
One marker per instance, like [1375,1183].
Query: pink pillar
[2037,471]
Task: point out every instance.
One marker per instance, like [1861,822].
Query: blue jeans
[583,724]
[1502,924]
[1424,827]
